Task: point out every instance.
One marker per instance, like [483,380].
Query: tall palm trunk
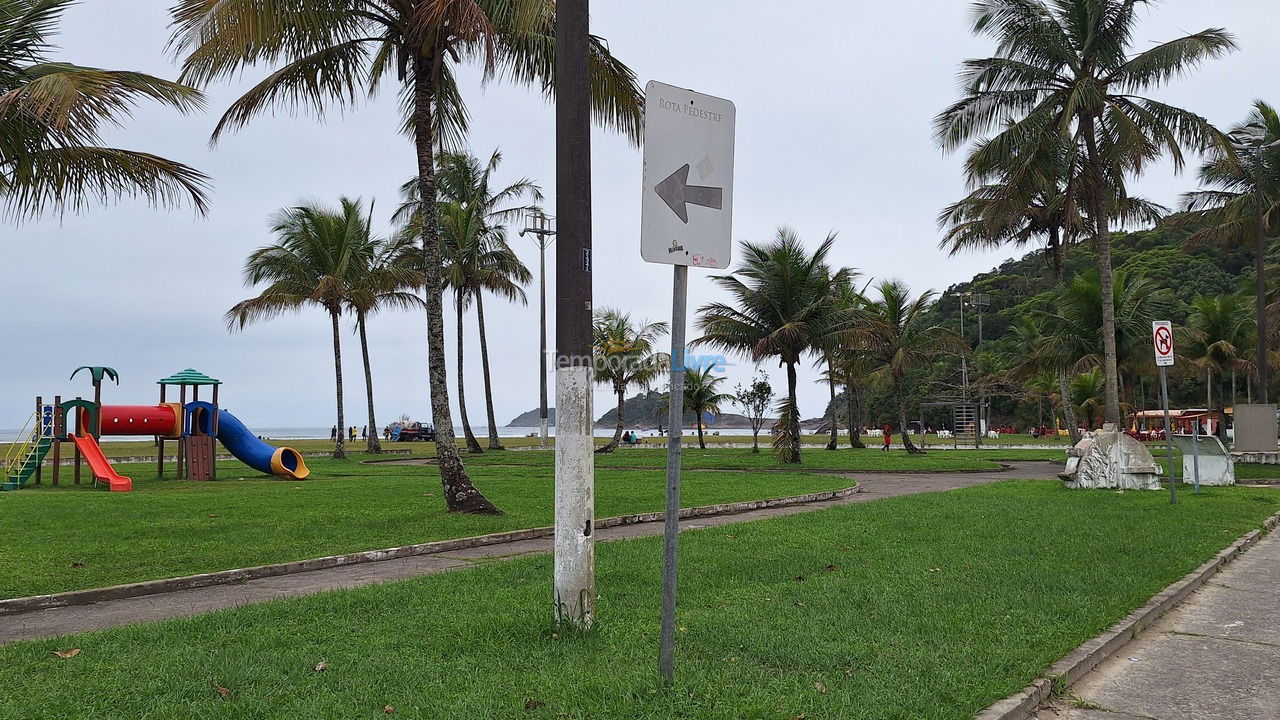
[473,445]
[1260,290]
[902,418]
[494,443]
[1102,246]
[1068,411]
[702,441]
[855,434]
[834,442]
[373,443]
[459,492]
[617,431]
[339,450]
[793,422]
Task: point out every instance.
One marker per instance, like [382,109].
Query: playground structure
[194,425]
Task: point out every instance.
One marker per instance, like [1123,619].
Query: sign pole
[675,423]
[1168,436]
[1195,455]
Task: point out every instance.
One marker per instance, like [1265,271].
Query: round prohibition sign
[1164,341]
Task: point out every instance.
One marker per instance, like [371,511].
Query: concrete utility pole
[541,230]
[575,591]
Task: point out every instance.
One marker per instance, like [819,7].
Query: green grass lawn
[929,606]
[168,527]
[844,459]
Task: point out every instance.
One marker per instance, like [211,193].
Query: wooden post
[182,449]
[39,433]
[57,437]
[213,470]
[76,428]
[160,439]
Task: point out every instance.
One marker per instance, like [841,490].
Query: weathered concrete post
[575,559]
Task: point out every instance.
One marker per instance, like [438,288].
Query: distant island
[531,419]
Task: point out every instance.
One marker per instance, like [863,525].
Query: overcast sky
[834,103]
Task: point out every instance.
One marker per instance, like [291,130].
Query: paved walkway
[1214,657]
[63,620]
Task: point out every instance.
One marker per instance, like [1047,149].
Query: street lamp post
[543,235]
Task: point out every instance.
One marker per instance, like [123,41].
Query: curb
[1079,662]
[33,603]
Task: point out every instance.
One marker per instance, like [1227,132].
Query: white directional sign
[686,215]
[1162,340]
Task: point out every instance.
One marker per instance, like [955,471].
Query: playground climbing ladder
[25,455]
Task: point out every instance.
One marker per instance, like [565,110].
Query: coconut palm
[1222,332]
[1244,204]
[1031,358]
[317,255]
[391,280]
[325,56]
[1087,389]
[493,265]
[702,396]
[899,341]
[1063,76]
[477,259]
[625,357]
[51,119]
[781,308]
[1073,332]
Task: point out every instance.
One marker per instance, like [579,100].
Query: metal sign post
[1195,455]
[1162,341]
[685,132]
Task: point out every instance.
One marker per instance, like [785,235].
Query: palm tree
[51,120]
[1063,77]
[702,396]
[1073,337]
[781,308]
[327,55]
[1222,331]
[317,255]
[1244,204]
[1030,360]
[624,356]
[390,280]
[899,341]
[496,268]
[1087,389]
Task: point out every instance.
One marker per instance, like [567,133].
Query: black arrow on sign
[676,193]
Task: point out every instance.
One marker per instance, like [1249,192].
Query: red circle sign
[1164,341]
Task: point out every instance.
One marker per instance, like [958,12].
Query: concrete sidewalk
[81,618]
[1214,657]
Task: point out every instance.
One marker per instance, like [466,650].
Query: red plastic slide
[102,470]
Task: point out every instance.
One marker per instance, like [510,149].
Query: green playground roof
[189,377]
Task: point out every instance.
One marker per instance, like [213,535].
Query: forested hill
[1018,287]
[1171,277]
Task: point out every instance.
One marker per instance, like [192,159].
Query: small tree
[754,399]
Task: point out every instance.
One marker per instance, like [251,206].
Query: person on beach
[333,434]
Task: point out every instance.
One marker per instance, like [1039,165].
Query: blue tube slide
[244,445]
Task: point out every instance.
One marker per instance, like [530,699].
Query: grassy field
[71,537]
[930,606]
[129,449]
[844,459]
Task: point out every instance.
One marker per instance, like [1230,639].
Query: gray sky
[834,104]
